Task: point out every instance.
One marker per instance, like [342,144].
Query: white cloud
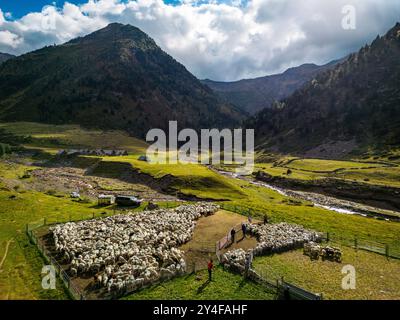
[1,17]
[218,40]
[10,39]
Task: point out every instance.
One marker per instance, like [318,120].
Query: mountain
[252,95]
[5,56]
[354,105]
[114,78]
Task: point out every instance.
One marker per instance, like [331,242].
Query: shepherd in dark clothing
[210,266]
[265,219]
[244,230]
[233,232]
[286,294]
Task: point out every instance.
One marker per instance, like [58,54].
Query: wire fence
[277,285]
[271,279]
[268,279]
[74,292]
[31,229]
[360,243]
[357,242]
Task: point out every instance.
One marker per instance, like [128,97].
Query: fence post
[44,221]
[93,215]
[327,237]
[355,243]
[387,250]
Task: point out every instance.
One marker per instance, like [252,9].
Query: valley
[79,190]
[36,183]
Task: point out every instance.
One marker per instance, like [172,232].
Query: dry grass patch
[376,276]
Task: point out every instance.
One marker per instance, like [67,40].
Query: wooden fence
[74,292]
[282,289]
[359,243]
[356,242]
[281,286]
[226,240]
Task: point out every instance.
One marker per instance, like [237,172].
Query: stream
[322,201]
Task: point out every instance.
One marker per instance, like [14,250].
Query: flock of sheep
[280,237]
[126,252]
[272,238]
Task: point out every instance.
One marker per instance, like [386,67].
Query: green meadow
[20,203]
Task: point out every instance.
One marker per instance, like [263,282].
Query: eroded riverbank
[324,201]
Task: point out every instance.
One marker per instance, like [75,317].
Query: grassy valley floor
[22,202]
[224,286]
[376,276]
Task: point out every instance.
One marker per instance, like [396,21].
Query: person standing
[233,232]
[265,219]
[248,262]
[244,230]
[210,266]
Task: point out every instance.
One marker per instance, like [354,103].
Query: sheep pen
[272,238]
[127,252]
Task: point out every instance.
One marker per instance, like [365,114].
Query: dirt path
[5,254]
[208,231]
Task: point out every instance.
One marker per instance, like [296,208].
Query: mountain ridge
[114,78]
[357,101]
[253,95]
[5,56]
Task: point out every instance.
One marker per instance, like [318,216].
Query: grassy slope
[327,165]
[191,179]
[20,275]
[376,276]
[21,272]
[224,286]
[264,201]
[51,138]
[373,172]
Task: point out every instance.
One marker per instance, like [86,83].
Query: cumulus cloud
[225,40]
[2,20]
[10,39]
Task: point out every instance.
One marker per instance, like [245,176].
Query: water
[320,200]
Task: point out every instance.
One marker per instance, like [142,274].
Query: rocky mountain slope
[5,56]
[253,95]
[114,78]
[356,104]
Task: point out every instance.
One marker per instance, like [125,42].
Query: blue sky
[19,8]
